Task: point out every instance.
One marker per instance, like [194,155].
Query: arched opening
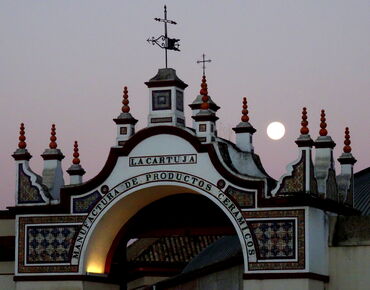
[162,238]
[101,229]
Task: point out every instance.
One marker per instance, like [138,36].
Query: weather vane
[164,41]
[204,63]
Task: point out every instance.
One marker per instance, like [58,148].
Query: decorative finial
[245,117]
[203,62]
[204,93]
[22,138]
[76,160]
[53,138]
[304,123]
[164,41]
[323,131]
[125,102]
[347,142]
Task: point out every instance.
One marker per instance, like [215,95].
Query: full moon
[275,130]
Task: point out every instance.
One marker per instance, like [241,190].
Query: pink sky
[65,62]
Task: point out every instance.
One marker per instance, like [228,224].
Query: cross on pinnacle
[204,63]
[166,42]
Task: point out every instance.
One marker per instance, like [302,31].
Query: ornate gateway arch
[94,234]
[69,232]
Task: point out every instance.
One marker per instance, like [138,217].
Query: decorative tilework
[278,217]
[275,239]
[50,244]
[46,222]
[243,198]
[295,182]
[86,203]
[27,193]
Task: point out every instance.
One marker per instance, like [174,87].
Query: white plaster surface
[63,285]
[6,282]
[323,162]
[6,275]
[173,112]
[244,163]
[141,282]
[7,267]
[317,241]
[99,286]
[229,279]
[244,141]
[75,179]
[7,228]
[52,176]
[349,268]
[49,285]
[283,284]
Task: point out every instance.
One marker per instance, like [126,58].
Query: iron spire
[164,41]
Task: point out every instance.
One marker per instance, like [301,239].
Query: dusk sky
[65,62]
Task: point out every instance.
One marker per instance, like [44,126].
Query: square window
[161,100]
[123,130]
[202,128]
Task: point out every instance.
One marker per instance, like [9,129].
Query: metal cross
[204,63]
[167,43]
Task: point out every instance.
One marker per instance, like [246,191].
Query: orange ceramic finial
[76,160]
[22,138]
[347,141]
[304,123]
[323,131]
[53,138]
[125,102]
[245,117]
[204,93]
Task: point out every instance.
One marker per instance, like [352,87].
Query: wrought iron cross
[204,63]
[164,41]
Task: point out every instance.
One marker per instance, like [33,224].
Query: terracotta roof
[177,249]
[224,253]
[226,248]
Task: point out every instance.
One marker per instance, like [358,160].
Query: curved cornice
[116,152]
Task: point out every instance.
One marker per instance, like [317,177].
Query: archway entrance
[92,249]
[162,238]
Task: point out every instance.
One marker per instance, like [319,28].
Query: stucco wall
[6,275]
[349,268]
[283,284]
[7,227]
[49,285]
[6,282]
[144,281]
[64,285]
[230,279]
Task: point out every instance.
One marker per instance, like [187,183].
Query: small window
[161,100]
[123,130]
[202,128]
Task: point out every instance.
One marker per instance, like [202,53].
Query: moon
[275,130]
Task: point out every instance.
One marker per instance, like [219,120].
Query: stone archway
[123,201]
